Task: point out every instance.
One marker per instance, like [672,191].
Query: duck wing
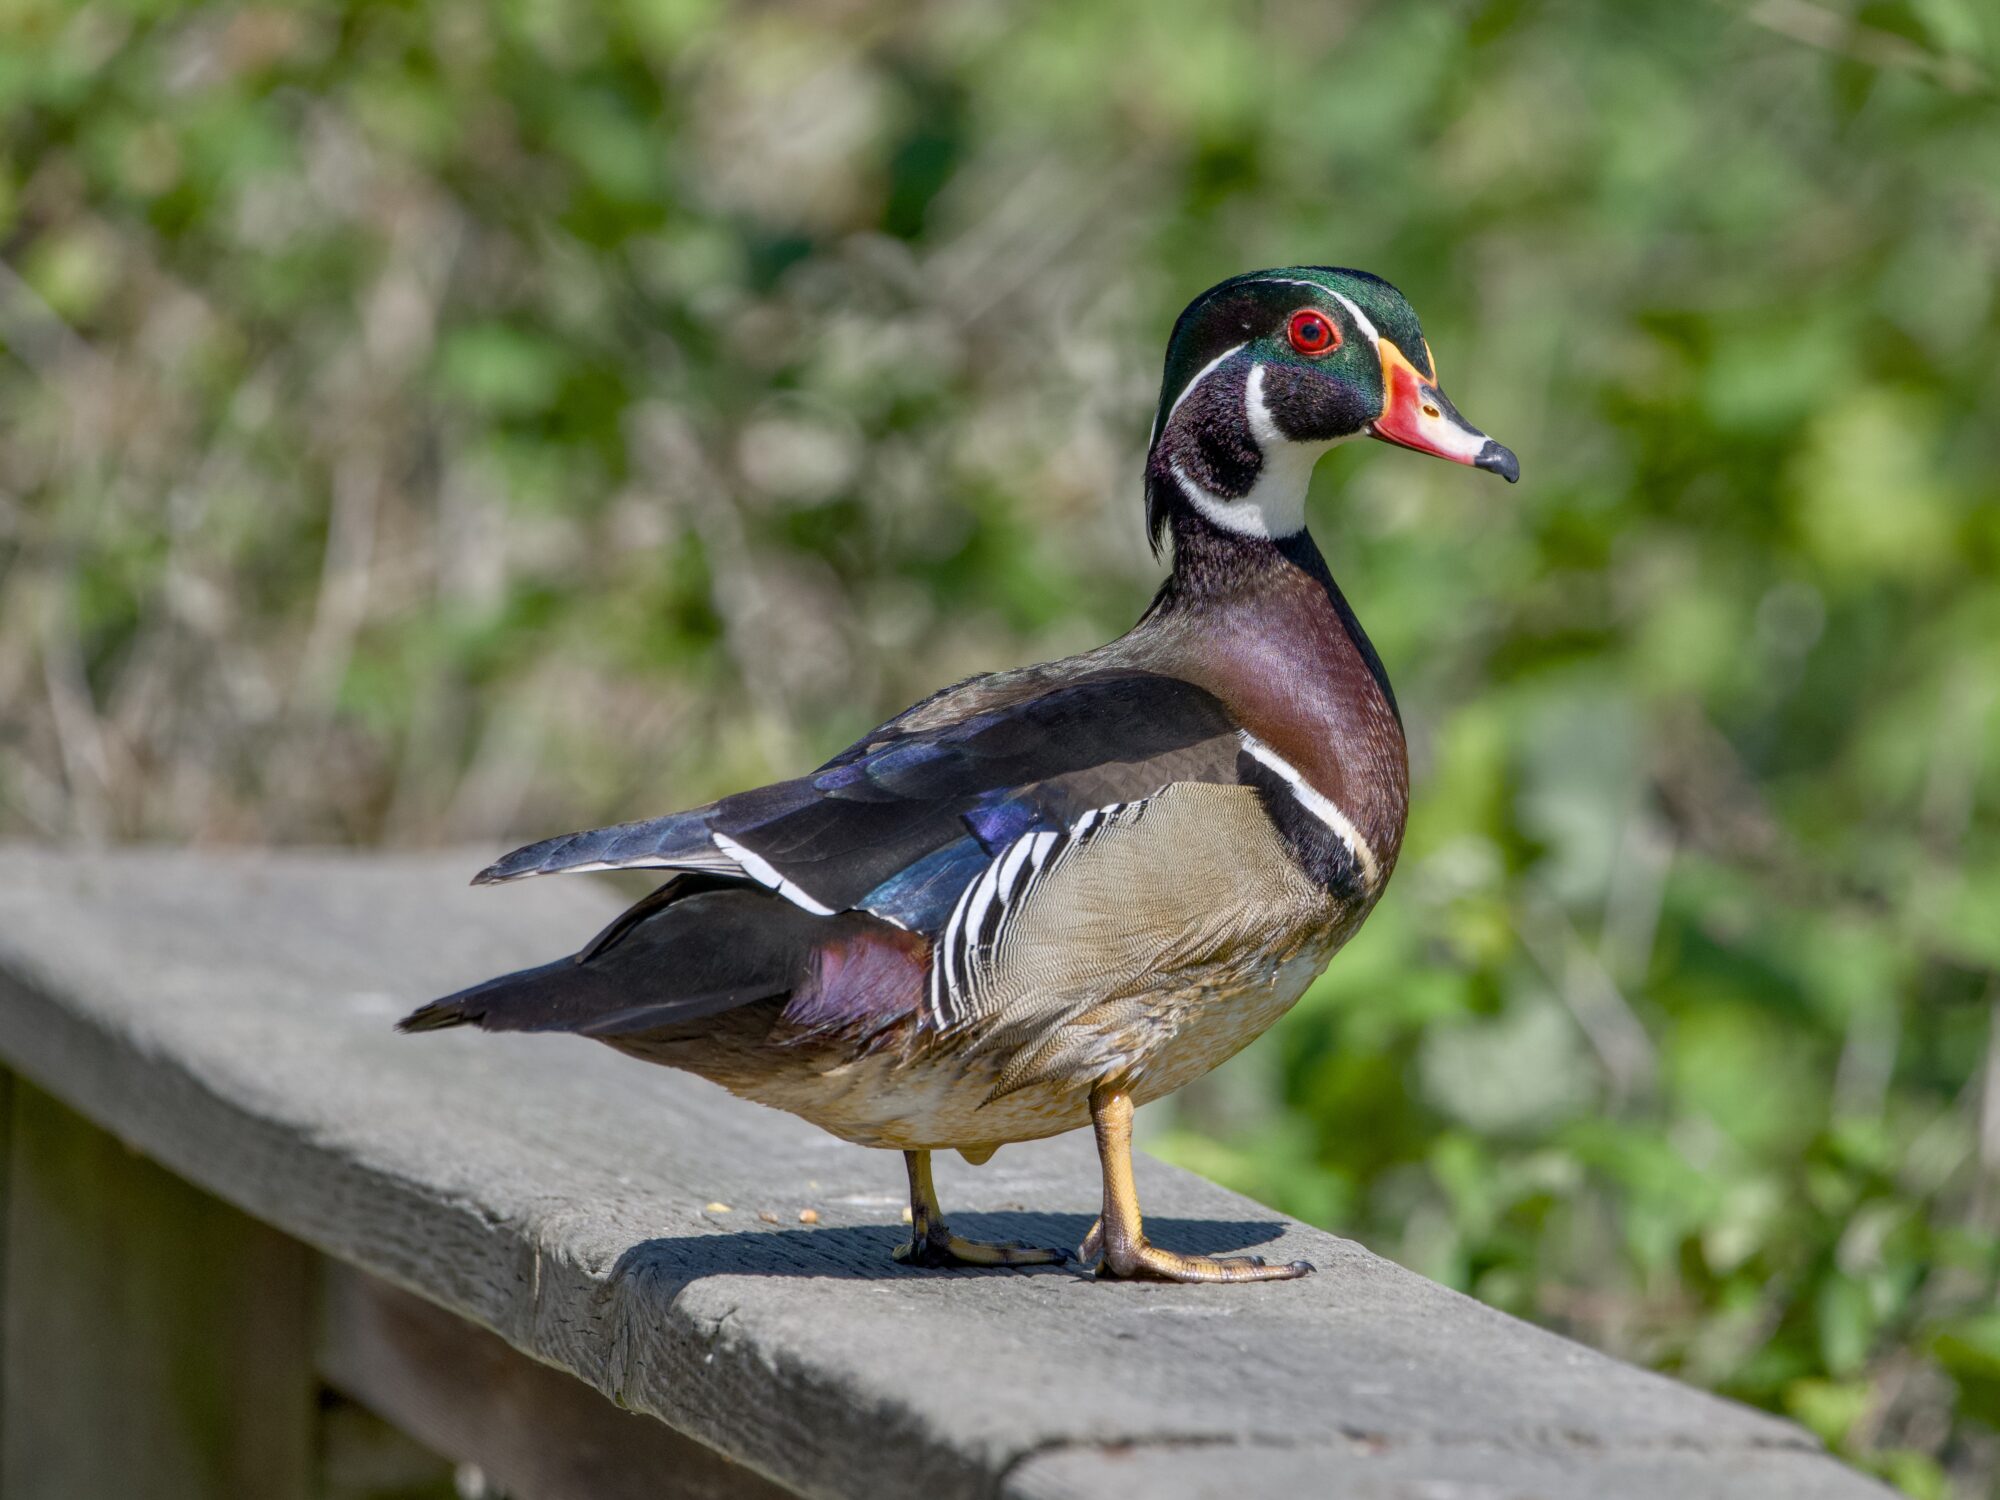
[900,824]
[1006,851]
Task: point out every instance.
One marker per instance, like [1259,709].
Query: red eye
[1312,333]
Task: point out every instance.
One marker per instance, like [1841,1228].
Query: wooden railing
[256,1244]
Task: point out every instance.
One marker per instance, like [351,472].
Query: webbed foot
[932,1243]
[939,1247]
[1117,1241]
[1146,1262]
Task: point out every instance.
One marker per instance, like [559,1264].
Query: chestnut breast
[1287,657]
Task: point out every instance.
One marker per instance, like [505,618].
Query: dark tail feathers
[660,965]
[538,999]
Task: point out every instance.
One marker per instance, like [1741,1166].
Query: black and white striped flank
[975,937]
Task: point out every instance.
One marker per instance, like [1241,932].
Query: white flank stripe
[1038,854]
[1010,867]
[761,870]
[1313,802]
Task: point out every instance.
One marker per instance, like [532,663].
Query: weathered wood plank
[1366,1466]
[157,1341]
[233,1014]
[6,1177]
[538,1432]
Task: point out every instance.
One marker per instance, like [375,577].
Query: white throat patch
[1276,504]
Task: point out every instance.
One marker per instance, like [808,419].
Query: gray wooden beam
[231,1014]
[157,1342]
[537,1432]
[6,1217]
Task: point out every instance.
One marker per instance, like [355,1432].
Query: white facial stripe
[1188,390]
[1313,802]
[1263,426]
[1288,281]
[761,870]
[1276,503]
[1361,319]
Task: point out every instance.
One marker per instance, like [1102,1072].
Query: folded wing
[901,824]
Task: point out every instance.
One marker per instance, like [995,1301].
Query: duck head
[1269,370]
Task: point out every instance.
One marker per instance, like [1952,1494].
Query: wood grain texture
[532,1430]
[232,1014]
[157,1342]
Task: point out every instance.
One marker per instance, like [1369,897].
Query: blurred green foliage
[451,421]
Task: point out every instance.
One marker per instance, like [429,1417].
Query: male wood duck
[1045,896]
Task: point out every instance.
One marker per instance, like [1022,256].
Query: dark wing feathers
[896,828]
[920,895]
[691,957]
[677,841]
[899,823]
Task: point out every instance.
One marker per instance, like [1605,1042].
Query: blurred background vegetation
[462,422]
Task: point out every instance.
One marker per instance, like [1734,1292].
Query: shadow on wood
[863,1253]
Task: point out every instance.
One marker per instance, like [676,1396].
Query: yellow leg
[933,1244]
[1120,1235]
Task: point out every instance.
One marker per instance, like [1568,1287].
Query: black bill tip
[1500,460]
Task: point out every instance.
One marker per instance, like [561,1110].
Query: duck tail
[547,997]
[671,959]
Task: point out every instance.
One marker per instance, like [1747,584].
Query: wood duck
[1045,896]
